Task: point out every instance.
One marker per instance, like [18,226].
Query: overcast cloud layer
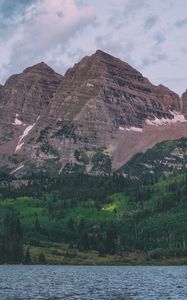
[151,35]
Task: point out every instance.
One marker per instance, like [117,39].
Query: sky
[151,35]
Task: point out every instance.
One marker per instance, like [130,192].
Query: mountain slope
[28,93]
[24,98]
[184,103]
[163,159]
[101,104]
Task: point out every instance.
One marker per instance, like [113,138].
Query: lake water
[93,283]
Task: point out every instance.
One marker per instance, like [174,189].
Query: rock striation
[101,109]
[184,103]
[30,92]
[128,98]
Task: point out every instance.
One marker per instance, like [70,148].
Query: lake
[93,282]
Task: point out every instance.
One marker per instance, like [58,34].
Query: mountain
[184,103]
[164,159]
[24,97]
[92,119]
[29,93]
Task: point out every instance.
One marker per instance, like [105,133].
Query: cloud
[10,7]
[155,58]
[53,23]
[150,22]
[181,23]
[144,33]
[44,27]
[159,38]
[132,7]
[111,45]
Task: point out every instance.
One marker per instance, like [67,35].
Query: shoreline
[112,264]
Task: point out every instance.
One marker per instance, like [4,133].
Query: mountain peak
[103,56]
[112,63]
[101,102]
[100,64]
[100,52]
[41,67]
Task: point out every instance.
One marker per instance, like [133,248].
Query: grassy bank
[62,254]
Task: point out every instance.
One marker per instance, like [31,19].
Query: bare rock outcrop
[100,103]
[184,103]
[30,92]
[23,98]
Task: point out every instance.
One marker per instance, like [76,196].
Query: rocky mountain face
[0,89]
[96,117]
[184,103]
[29,93]
[24,97]
[166,158]
[125,96]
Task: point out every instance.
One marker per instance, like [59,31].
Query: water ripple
[92,283]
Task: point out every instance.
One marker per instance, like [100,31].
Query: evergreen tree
[12,239]
[81,226]
[110,241]
[71,231]
[27,259]
[37,225]
[83,243]
[41,258]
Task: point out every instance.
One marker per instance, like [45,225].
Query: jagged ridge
[100,102]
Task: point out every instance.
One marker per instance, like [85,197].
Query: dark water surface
[93,283]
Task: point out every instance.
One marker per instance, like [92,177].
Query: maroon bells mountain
[184,103]
[101,109]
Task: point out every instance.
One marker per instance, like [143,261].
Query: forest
[73,218]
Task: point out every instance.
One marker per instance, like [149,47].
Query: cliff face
[30,92]
[23,98]
[170,157]
[127,97]
[100,103]
[184,103]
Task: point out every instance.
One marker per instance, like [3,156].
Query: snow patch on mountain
[177,117]
[135,129]
[17,169]
[17,122]
[25,133]
[132,128]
